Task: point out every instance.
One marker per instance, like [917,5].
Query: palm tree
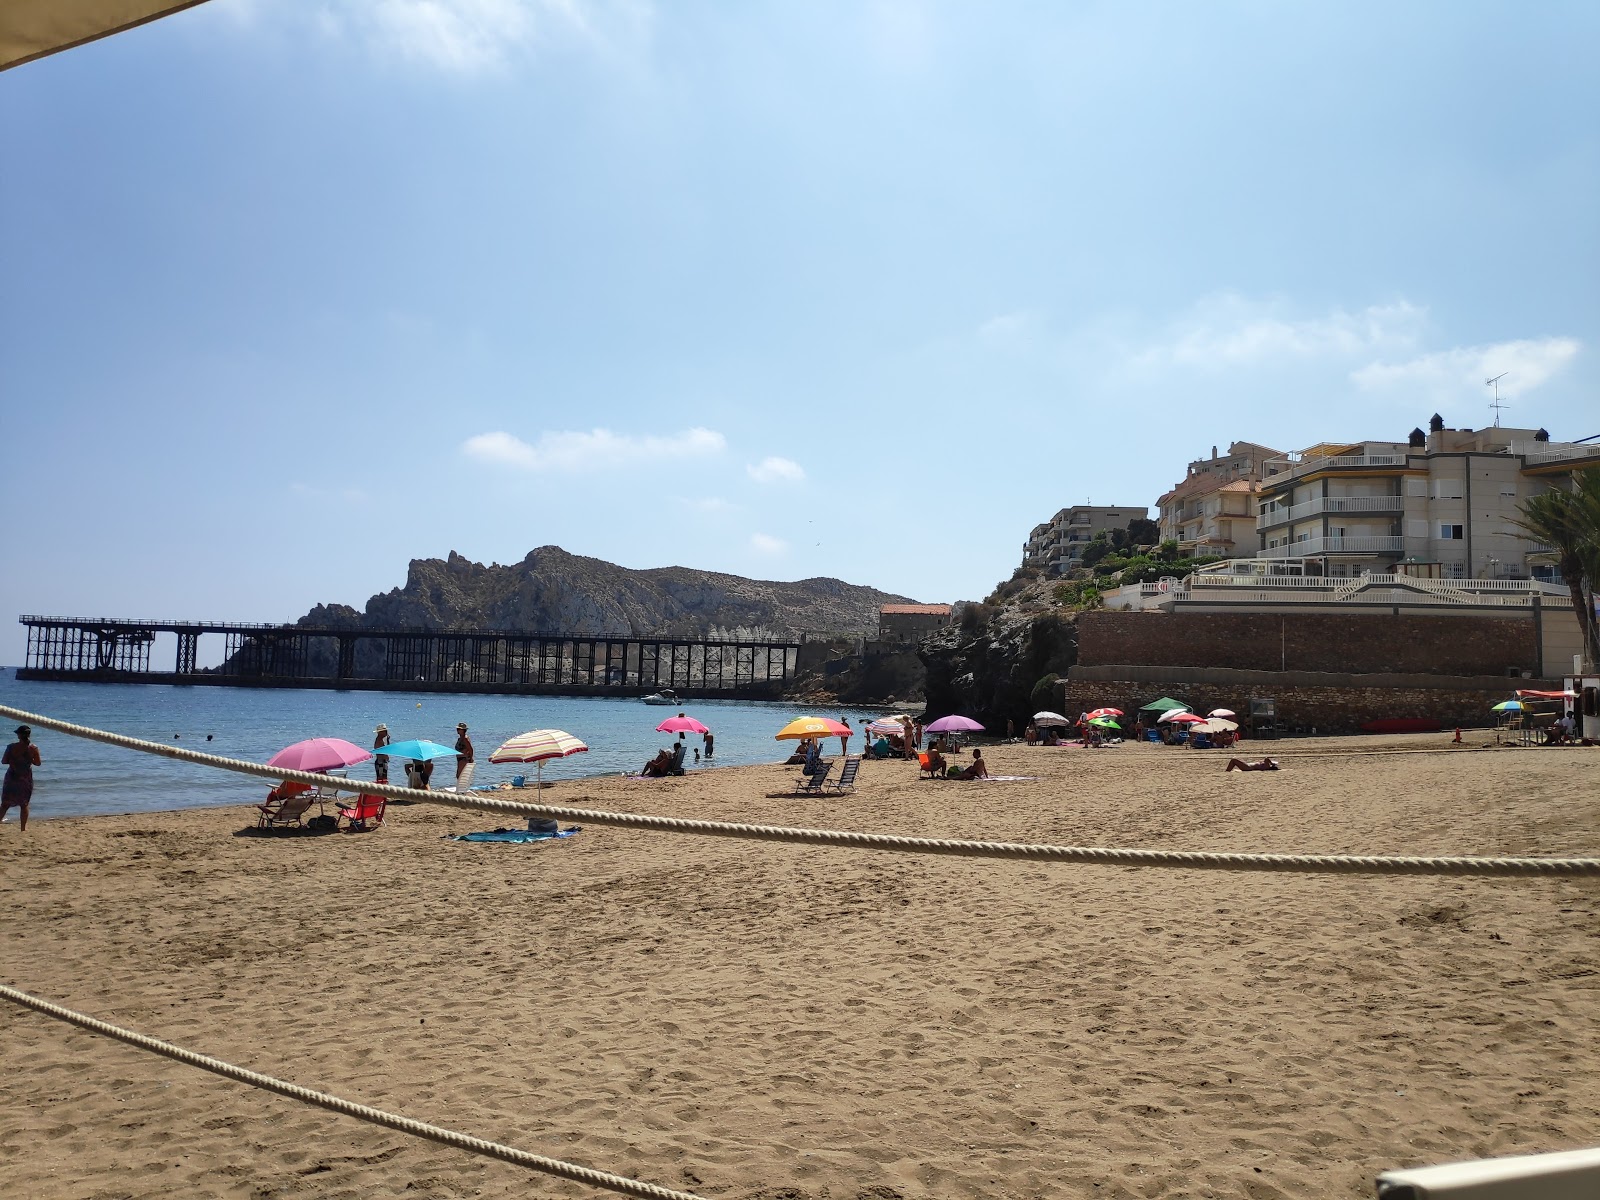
[1568,521]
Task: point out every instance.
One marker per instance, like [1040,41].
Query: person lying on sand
[1261,764]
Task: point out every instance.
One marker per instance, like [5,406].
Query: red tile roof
[915,610]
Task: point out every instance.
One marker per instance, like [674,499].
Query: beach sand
[747,1020]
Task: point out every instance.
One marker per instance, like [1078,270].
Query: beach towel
[514,835]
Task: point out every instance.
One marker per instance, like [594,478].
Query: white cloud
[462,36]
[1229,331]
[776,470]
[1462,370]
[1009,329]
[599,449]
[765,543]
[709,504]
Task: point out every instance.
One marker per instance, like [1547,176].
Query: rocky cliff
[551,590]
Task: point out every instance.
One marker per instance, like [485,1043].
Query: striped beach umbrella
[536,746]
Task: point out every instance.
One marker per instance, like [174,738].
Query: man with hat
[380,764]
[465,766]
[20,758]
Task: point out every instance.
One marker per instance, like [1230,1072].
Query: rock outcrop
[551,590]
[1000,662]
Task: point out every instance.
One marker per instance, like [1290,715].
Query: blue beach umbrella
[1508,706]
[418,750]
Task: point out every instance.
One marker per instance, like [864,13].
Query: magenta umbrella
[319,754]
[681,725]
[1182,718]
[954,724]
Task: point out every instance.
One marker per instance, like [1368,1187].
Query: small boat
[664,696]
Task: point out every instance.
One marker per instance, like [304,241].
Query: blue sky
[291,294]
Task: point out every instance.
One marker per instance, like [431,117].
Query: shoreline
[734,1018]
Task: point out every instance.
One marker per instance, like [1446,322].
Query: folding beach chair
[813,784]
[847,776]
[924,767]
[367,808]
[284,806]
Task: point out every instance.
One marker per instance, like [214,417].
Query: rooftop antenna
[1496,404]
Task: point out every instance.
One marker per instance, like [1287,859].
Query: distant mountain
[551,590]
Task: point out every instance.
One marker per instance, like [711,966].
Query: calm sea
[80,777]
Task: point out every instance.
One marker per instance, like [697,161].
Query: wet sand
[747,1020]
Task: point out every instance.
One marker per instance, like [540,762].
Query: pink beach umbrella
[1183,718]
[319,754]
[1222,712]
[954,724]
[681,725]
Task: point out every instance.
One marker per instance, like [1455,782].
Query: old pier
[120,650]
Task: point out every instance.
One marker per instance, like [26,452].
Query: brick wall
[1357,643]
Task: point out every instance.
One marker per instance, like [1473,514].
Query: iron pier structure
[119,650]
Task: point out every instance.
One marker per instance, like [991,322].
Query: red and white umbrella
[1180,718]
[536,746]
[1105,712]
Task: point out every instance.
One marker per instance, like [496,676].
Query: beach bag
[323,823]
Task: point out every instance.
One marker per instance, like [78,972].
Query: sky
[293,293]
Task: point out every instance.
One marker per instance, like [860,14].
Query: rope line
[1335,864]
[362,1112]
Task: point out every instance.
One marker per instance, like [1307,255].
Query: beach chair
[813,784]
[367,809]
[847,775]
[282,809]
[923,767]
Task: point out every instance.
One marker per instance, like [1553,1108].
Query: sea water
[80,777]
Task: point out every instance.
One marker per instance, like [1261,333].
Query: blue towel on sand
[516,835]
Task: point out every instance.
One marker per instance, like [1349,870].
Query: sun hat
[461,724]
[382,728]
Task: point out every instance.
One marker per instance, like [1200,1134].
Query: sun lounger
[365,810]
[814,783]
[847,775]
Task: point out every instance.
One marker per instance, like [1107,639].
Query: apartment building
[1213,509]
[1058,544]
[1442,504]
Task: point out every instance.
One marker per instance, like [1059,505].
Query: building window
[1447,489]
[1450,533]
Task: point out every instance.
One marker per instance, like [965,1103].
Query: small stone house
[910,622]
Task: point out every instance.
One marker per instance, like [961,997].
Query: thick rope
[1336,864]
[375,1116]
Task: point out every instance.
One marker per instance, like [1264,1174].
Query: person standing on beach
[844,738]
[380,764]
[466,764]
[912,736]
[710,743]
[20,758]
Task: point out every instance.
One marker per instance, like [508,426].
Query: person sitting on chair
[979,769]
[936,763]
[813,763]
[1262,764]
[659,766]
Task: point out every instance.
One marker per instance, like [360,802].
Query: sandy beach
[747,1020]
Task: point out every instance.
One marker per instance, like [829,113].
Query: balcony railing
[1331,504]
[1310,547]
[1278,469]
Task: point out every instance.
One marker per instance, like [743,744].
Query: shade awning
[31,29]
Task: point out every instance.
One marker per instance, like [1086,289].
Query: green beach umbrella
[1104,723]
[1508,706]
[1165,704]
